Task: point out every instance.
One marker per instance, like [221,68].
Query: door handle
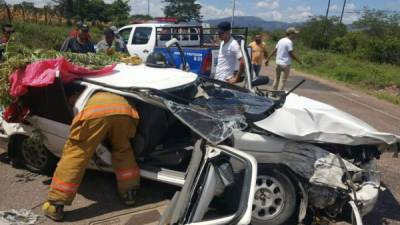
[145,51]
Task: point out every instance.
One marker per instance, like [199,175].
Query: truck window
[194,34]
[124,33]
[183,32]
[165,34]
[141,35]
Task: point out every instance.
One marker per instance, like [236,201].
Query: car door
[218,189]
[125,34]
[142,41]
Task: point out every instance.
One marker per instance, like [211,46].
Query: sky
[277,10]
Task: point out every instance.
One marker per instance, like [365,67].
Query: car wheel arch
[14,149]
[296,187]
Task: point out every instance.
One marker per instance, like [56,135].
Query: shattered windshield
[216,111]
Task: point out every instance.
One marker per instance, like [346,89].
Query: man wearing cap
[79,44]
[284,54]
[229,55]
[110,43]
[7,31]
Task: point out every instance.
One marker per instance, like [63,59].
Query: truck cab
[141,39]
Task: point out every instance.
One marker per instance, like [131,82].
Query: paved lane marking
[367,106]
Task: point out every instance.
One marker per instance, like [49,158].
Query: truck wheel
[275,198]
[34,156]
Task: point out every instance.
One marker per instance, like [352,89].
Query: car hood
[304,119]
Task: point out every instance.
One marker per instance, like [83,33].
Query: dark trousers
[257,69]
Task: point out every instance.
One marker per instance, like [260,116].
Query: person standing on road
[105,116]
[110,43]
[79,44]
[258,53]
[284,54]
[229,55]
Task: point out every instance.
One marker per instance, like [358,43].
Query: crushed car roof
[143,76]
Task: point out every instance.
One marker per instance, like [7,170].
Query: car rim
[268,199]
[35,154]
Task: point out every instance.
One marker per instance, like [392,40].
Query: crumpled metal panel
[304,119]
[317,165]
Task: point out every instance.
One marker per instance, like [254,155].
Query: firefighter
[105,116]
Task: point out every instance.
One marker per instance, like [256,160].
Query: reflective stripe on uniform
[63,186]
[127,174]
[92,112]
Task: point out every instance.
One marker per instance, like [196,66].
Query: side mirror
[258,81]
[171,42]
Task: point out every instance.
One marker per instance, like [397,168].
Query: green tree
[3,4]
[183,10]
[95,10]
[379,23]
[119,11]
[65,8]
[319,32]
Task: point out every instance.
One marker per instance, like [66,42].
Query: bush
[348,43]
[319,33]
[46,36]
[385,50]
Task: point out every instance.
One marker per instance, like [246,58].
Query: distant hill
[254,22]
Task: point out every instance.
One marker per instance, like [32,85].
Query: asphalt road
[97,198]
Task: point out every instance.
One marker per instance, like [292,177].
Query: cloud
[140,7]
[212,12]
[37,3]
[269,4]
[350,6]
[334,8]
[299,13]
[273,15]
[290,14]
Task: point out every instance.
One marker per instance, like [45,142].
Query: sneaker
[53,211]
[129,197]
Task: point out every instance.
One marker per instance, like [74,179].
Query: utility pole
[327,9]
[233,12]
[344,6]
[148,7]
[325,34]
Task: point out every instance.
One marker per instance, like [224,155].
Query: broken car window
[218,111]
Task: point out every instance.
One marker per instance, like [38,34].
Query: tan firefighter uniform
[105,116]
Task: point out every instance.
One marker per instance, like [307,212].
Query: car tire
[36,158]
[275,198]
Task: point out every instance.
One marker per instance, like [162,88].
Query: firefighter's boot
[129,197]
[53,211]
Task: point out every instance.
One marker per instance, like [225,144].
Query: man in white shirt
[229,55]
[284,54]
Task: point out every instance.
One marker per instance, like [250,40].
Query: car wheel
[32,154]
[275,198]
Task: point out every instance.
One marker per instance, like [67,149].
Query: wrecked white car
[290,160]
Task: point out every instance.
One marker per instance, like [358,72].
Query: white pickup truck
[200,45]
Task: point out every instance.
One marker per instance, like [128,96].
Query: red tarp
[43,73]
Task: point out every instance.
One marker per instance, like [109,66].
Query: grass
[47,36]
[380,80]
